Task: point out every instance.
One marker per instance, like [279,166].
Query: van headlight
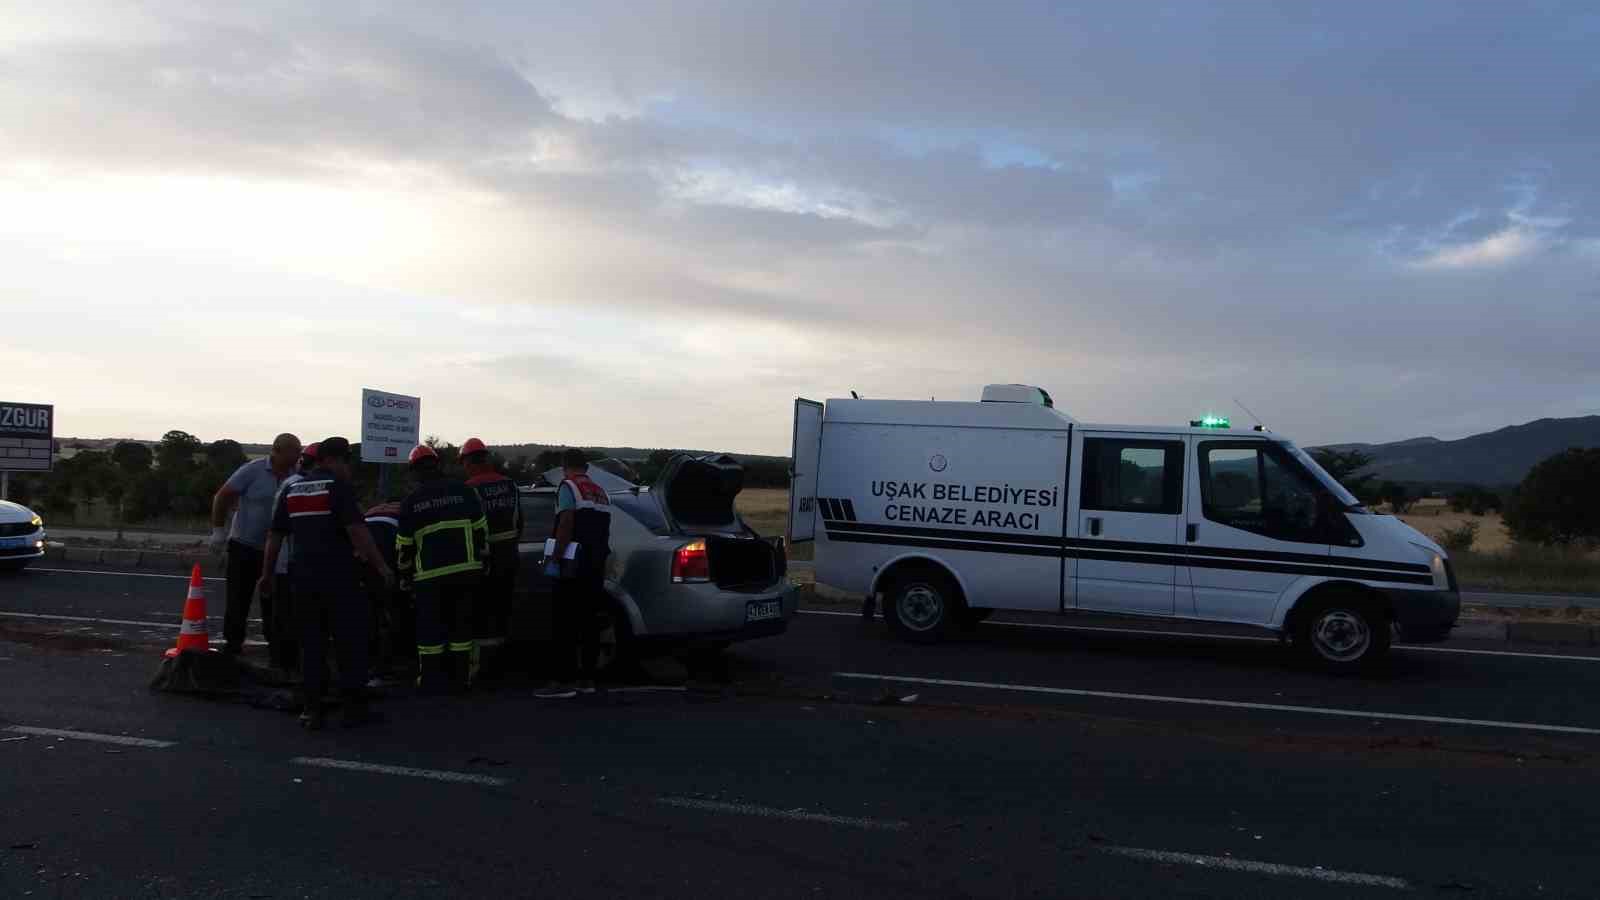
[1441,575]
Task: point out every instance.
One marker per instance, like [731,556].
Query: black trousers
[579,603]
[332,606]
[284,633]
[445,648]
[491,607]
[243,571]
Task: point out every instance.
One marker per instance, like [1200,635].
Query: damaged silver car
[685,570]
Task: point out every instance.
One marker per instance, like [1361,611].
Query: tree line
[1556,504]
[134,482]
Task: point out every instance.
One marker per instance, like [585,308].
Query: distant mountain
[1498,458]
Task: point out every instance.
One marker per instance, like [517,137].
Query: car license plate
[763,609]
[12,543]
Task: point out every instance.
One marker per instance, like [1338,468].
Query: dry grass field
[1432,517]
[766,509]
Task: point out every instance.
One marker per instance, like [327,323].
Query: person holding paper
[578,560]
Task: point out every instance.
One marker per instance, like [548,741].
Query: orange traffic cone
[192,633]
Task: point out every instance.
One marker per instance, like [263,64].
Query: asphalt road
[833,761]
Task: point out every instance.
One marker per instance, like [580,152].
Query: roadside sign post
[390,426]
[27,440]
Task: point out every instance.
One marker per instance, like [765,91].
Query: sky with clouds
[657,224]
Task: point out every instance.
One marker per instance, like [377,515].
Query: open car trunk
[698,494]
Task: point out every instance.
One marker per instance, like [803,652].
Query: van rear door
[804,455]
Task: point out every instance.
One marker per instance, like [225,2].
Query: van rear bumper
[1424,617]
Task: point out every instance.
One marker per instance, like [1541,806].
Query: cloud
[1145,209]
[1497,249]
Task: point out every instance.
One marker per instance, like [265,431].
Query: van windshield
[1327,481]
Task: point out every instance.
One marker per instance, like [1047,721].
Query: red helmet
[422,452]
[309,451]
[473,445]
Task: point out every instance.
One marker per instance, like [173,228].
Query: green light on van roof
[1210,421]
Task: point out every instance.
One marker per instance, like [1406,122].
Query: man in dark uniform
[443,547]
[320,513]
[502,506]
[583,517]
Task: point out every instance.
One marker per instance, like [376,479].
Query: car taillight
[691,563]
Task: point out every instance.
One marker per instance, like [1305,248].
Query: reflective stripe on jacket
[442,532]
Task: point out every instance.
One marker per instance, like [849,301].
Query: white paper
[550,549]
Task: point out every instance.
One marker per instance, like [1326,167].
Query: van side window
[1256,487]
[1133,475]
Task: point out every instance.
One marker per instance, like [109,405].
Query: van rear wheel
[922,604]
[1343,632]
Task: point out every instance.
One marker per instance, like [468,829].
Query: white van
[946,511]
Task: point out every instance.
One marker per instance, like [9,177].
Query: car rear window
[643,508]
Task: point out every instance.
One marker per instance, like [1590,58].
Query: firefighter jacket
[502,506]
[442,533]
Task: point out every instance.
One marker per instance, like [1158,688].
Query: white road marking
[60,618]
[769,812]
[1231,864]
[1229,704]
[648,689]
[1565,656]
[119,574]
[432,774]
[99,621]
[119,739]
[1420,648]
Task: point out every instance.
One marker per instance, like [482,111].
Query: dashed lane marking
[1227,704]
[119,739]
[430,774]
[1230,864]
[771,812]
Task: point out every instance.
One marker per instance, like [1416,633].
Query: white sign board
[389,426]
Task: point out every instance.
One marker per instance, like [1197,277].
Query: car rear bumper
[1424,616]
[704,611]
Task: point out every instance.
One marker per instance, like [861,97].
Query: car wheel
[615,640]
[1342,633]
[923,604]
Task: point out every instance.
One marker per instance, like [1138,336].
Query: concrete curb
[134,559]
[1570,634]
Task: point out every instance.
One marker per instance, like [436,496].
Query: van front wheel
[1343,633]
[922,604]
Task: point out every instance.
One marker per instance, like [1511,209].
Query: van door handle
[1094,526]
[1192,533]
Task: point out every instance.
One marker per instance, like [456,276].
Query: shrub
[1459,539]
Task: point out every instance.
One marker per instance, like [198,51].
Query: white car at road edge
[21,536]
